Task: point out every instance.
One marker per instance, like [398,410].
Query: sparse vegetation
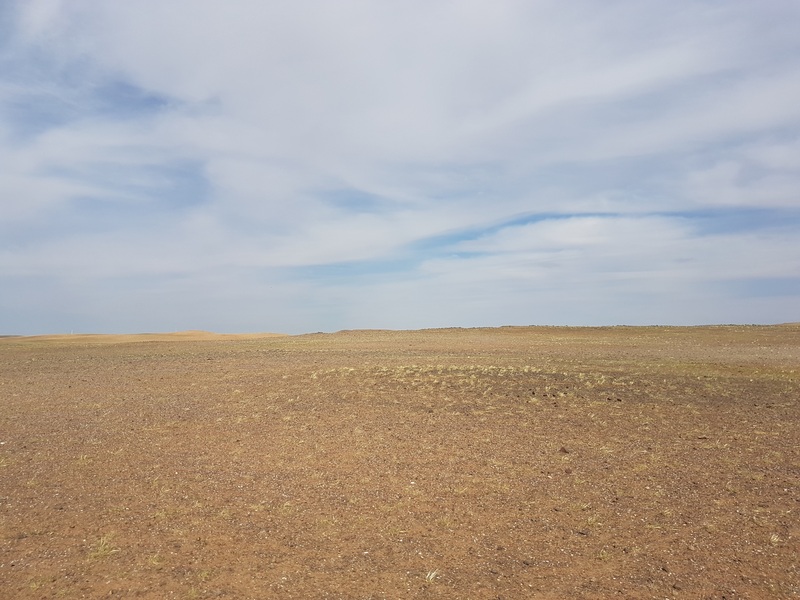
[508,462]
[103,547]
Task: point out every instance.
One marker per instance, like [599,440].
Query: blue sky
[249,166]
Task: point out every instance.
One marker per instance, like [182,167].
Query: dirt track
[475,464]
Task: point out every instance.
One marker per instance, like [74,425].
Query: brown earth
[476,464]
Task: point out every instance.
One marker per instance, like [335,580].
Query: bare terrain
[508,463]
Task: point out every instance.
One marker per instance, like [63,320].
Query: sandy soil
[476,464]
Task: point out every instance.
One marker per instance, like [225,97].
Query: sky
[254,166]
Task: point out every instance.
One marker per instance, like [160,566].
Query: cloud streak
[304,166]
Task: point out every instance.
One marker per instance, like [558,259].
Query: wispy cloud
[270,166]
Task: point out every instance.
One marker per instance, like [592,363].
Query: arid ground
[456,463]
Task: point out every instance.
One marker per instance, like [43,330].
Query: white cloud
[242,141]
[625,271]
[783,156]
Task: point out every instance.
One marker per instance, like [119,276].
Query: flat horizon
[210,335]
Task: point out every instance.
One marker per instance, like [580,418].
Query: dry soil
[457,463]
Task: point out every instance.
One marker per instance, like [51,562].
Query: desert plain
[515,462]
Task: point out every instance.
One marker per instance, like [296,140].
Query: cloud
[396,164]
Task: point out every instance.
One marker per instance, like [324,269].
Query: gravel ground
[456,463]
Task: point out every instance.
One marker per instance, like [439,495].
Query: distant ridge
[121,338]
[202,335]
